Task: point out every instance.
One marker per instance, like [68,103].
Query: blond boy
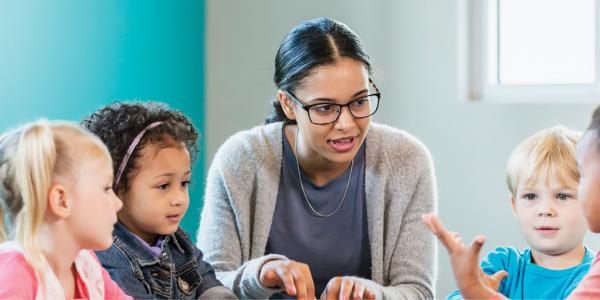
[542,177]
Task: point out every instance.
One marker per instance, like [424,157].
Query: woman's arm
[231,185]
[412,265]
[219,239]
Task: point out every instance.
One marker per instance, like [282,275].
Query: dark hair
[119,123]
[595,124]
[311,44]
[11,201]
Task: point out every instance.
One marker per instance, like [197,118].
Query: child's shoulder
[184,240]
[507,255]
[11,259]
[183,235]
[589,256]
[17,276]
[117,255]
[510,251]
[185,243]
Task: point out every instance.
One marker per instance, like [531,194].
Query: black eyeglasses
[327,113]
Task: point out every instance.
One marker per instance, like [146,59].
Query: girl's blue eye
[529,196]
[562,196]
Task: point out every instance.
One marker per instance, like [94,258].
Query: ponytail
[34,165]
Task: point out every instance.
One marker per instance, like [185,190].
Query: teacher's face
[339,83]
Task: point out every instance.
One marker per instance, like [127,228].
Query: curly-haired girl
[152,148]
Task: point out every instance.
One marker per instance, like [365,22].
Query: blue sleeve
[496,260]
[455,295]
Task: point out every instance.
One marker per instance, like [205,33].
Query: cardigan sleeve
[219,236]
[413,263]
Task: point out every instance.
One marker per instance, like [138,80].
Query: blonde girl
[57,203]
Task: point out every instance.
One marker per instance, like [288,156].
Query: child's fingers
[495,280]
[498,276]
[438,229]
[457,238]
[476,246]
[427,220]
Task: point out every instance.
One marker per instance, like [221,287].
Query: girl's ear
[286,105]
[59,201]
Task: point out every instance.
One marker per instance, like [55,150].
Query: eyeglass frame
[341,106]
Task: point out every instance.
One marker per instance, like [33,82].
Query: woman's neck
[60,252]
[316,167]
[563,261]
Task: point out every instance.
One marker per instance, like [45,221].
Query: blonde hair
[551,149]
[31,156]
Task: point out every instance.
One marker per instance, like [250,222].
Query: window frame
[478,76]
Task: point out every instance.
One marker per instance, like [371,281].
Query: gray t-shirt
[331,246]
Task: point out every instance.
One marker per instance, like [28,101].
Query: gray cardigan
[241,191]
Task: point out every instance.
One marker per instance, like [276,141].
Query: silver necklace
[302,185]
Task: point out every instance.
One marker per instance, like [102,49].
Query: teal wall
[64,59]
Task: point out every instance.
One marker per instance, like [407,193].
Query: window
[530,50]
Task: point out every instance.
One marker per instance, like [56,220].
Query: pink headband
[130,151]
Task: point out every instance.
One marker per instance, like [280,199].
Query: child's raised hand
[472,282]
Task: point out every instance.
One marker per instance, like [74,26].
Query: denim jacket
[177,273]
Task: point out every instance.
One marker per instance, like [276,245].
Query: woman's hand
[346,288]
[294,277]
[472,282]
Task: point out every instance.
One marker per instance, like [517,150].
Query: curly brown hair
[119,123]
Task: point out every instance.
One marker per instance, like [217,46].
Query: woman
[320,201]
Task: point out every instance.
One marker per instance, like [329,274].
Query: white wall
[413,45]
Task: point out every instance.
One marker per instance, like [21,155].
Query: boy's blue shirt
[527,280]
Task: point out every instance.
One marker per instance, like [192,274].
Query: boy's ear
[512,204]
[286,105]
[59,201]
